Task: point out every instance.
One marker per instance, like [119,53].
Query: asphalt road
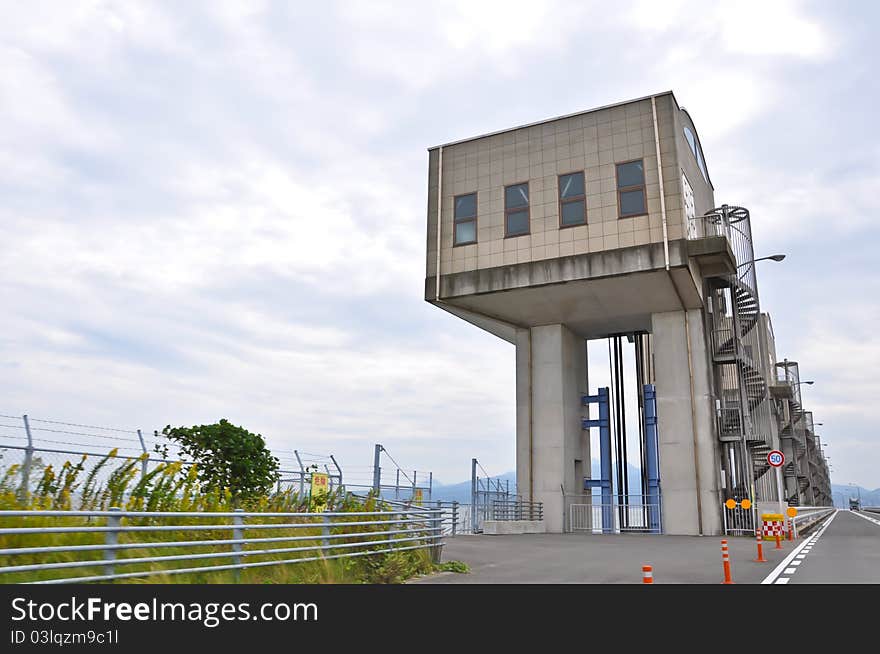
[846,552]
[845,549]
[603,559]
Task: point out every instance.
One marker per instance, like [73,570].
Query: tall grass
[173,487]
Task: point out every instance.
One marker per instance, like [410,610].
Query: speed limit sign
[776,458]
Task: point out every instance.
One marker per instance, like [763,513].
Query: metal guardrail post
[454,517]
[325,531]
[111,538]
[237,534]
[436,537]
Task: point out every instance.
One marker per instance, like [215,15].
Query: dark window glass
[631,199]
[466,206]
[695,148]
[465,219]
[571,185]
[692,141]
[572,201]
[517,223]
[632,203]
[573,213]
[516,210]
[516,196]
[630,174]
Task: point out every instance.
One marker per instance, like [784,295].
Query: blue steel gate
[640,513]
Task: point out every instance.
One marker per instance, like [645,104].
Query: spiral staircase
[734,321]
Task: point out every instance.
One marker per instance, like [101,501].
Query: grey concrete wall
[557,375]
[679,468]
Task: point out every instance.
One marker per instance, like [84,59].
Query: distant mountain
[461,492]
[842,493]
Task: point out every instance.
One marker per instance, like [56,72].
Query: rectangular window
[572,200]
[465,219]
[631,199]
[516,209]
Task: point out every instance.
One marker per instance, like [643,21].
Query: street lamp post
[772,257]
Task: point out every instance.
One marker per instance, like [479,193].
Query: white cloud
[219,210]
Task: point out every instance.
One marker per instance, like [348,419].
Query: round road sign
[776,458]
[746,503]
[730,504]
[791,511]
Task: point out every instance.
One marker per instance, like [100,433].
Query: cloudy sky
[217,209]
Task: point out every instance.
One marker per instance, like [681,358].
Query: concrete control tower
[604,224]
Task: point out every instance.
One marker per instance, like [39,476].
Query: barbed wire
[73,424]
[80,433]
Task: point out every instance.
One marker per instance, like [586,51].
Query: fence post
[25,487]
[111,538]
[454,516]
[377,469]
[144,449]
[237,534]
[473,496]
[302,475]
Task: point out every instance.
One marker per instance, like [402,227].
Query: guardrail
[100,539]
[517,510]
[809,516]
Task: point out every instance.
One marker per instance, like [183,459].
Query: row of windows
[631,201]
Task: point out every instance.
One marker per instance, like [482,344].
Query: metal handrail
[395,530]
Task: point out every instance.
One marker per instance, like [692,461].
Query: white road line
[796,562]
[869,519]
[769,579]
[790,571]
[783,580]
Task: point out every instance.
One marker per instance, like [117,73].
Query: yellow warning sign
[730,504]
[319,492]
[791,511]
[746,503]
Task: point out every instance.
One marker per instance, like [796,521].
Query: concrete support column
[680,470]
[551,447]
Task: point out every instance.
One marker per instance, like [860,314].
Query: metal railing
[452,515]
[711,224]
[809,515]
[103,540]
[636,514]
[517,509]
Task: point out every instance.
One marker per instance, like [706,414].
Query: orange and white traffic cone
[760,542]
[790,530]
[778,540]
[725,560]
[647,574]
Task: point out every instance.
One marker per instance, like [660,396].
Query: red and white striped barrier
[725,561]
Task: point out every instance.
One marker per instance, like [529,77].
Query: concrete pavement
[603,559]
[843,549]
